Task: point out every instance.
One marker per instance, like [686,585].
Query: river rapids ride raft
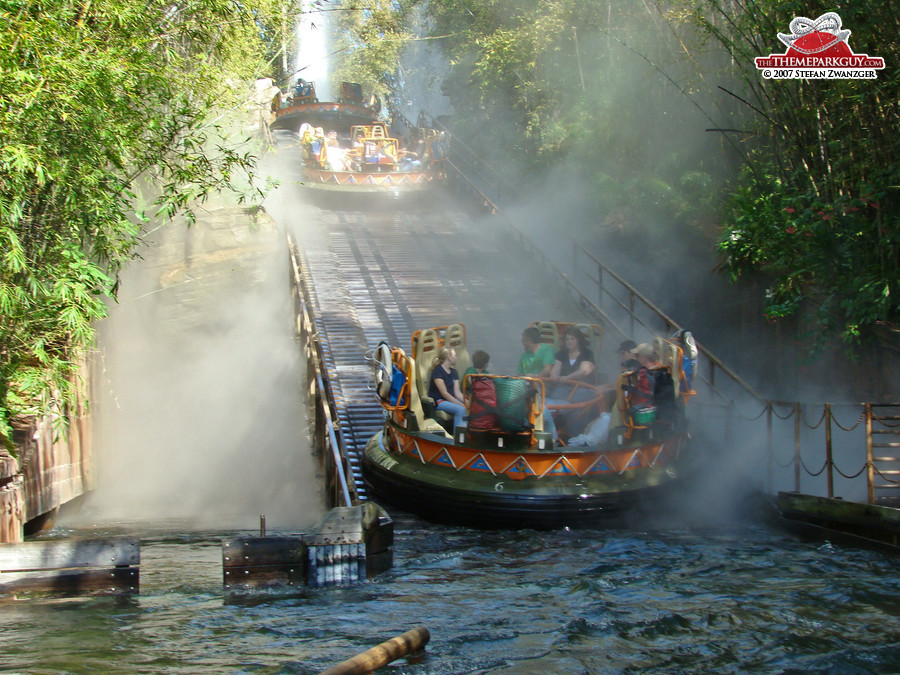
[300,105]
[346,149]
[368,159]
[502,469]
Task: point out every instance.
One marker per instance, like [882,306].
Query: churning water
[733,598]
[727,600]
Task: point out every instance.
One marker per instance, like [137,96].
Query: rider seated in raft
[573,363]
[642,392]
[480,360]
[444,386]
[655,387]
[537,361]
[409,160]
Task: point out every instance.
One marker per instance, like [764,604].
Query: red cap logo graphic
[818,49]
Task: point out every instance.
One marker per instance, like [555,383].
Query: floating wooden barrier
[410,642]
[76,566]
[259,562]
[853,522]
[349,545]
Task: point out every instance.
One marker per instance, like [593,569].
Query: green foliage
[95,98]
[603,87]
[599,89]
[818,209]
[614,90]
[368,37]
[620,93]
[838,255]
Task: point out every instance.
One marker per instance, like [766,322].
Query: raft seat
[417,412]
[425,349]
[616,415]
[426,345]
[594,335]
[455,337]
[672,355]
[669,354]
[549,333]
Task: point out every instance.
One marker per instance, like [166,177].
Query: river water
[201,430]
[733,599]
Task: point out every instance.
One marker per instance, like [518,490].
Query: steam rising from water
[641,191]
[422,70]
[199,395]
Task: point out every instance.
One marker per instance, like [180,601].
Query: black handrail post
[828,451]
[631,310]
[599,285]
[769,448]
[729,423]
[575,259]
[796,447]
[870,459]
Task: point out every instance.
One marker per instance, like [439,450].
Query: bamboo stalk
[410,642]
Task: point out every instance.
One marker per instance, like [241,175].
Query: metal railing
[620,306]
[723,395]
[327,439]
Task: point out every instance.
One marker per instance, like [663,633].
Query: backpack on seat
[482,409]
[398,380]
[664,396]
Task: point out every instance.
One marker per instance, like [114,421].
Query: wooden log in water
[71,566]
[410,642]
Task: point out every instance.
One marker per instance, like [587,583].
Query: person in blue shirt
[444,386]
